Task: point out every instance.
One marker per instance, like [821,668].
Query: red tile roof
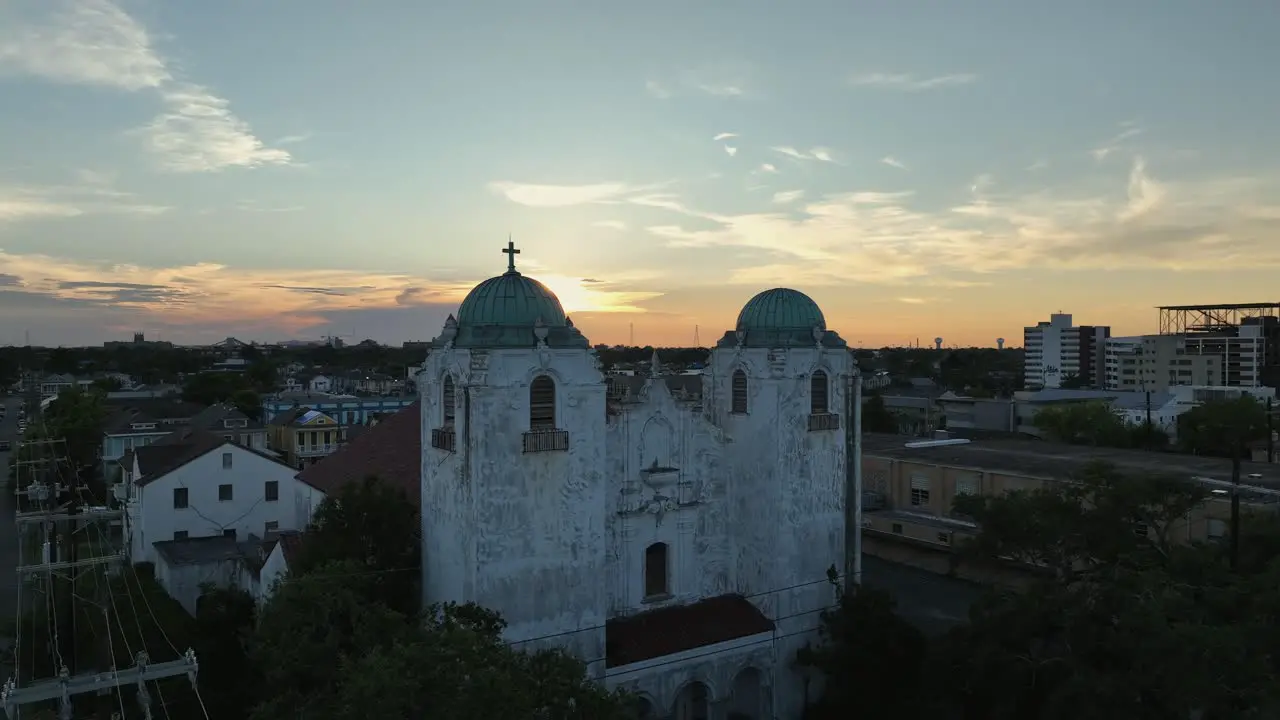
[683,627]
[392,450]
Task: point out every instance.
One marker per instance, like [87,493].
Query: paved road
[8,530]
[932,602]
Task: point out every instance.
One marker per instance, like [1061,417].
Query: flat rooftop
[1041,459]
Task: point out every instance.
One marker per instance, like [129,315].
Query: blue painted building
[346,409]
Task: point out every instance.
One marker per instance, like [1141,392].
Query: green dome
[781,309]
[781,318]
[511,300]
[511,311]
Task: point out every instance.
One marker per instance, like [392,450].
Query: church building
[673,531]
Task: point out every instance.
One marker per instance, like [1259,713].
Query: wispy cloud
[1128,130]
[820,154]
[657,89]
[724,136]
[256,206]
[724,80]
[911,83]
[94,42]
[611,225]
[888,238]
[535,195]
[768,168]
[891,161]
[29,202]
[730,150]
[787,196]
[289,299]
[912,300]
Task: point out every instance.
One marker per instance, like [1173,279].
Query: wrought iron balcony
[444,439]
[546,441]
[824,421]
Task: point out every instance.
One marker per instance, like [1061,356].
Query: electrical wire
[111,650]
[137,618]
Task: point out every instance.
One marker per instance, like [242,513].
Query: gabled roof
[392,450]
[676,629]
[211,418]
[181,447]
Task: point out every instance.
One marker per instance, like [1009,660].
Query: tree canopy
[1095,423]
[1223,428]
[1117,617]
[876,416]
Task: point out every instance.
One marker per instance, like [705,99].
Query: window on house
[179,498]
[655,570]
[229,533]
[273,490]
[179,534]
[224,493]
[738,400]
[226,460]
[447,400]
[920,490]
[818,389]
[542,403]
[273,525]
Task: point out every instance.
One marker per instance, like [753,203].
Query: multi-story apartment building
[1056,350]
[1158,362]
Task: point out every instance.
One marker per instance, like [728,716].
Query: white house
[280,552]
[192,486]
[320,384]
[675,532]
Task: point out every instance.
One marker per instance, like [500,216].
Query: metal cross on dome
[511,253]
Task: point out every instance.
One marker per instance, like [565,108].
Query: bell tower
[513,458]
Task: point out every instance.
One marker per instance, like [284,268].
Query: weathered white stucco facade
[673,531]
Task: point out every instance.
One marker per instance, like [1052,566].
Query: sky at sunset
[297,168]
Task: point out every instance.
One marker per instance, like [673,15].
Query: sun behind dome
[509,311]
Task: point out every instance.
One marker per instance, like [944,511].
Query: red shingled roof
[392,450]
[683,627]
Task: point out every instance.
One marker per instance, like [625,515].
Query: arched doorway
[693,702]
[746,699]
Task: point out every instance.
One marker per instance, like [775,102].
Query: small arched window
[655,570]
[542,403]
[819,389]
[448,401]
[739,400]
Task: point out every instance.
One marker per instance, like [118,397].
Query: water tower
[937,343]
[999,343]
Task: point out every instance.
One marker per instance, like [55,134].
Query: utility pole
[38,474]
[1235,504]
[1271,434]
[853,479]
[1147,440]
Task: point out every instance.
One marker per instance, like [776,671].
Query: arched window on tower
[739,400]
[542,403]
[448,402]
[819,390]
[656,570]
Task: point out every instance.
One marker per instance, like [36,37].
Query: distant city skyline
[960,172]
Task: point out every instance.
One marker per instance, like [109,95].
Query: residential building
[1159,362]
[138,422]
[1244,336]
[320,384]
[909,488]
[694,518]
[966,414]
[1056,351]
[232,424]
[346,409]
[303,436]
[280,553]
[192,486]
